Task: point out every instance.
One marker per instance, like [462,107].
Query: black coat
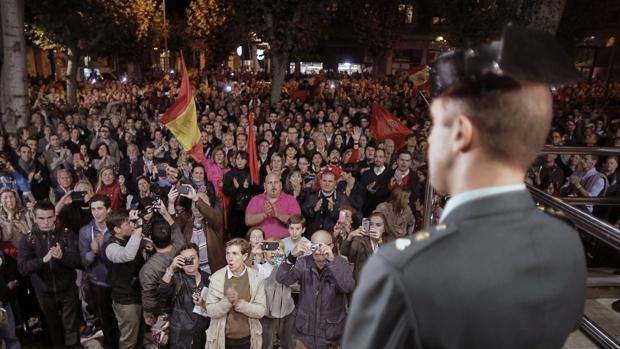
[382,192]
[324,219]
[57,275]
[239,199]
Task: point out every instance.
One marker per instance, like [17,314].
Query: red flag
[252,156]
[384,125]
[299,94]
[182,119]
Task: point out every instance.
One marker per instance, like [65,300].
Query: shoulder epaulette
[403,249]
[559,214]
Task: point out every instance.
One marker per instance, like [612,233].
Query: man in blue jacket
[93,236]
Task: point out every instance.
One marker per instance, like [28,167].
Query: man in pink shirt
[272,209]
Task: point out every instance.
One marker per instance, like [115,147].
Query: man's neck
[483,174]
[327,194]
[238,272]
[164,250]
[101,225]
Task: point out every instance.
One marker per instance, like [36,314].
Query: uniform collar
[468,196]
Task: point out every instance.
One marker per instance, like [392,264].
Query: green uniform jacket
[498,274]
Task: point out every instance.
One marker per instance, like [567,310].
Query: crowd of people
[110,230]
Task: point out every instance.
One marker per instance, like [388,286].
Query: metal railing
[584,221]
[606,151]
[597,334]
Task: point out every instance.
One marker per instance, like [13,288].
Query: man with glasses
[325,280]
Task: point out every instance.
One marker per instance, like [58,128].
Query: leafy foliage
[379,24]
[469,22]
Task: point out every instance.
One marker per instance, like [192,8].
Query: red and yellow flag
[182,119]
[252,154]
[419,76]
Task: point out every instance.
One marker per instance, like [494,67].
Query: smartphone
[77,157]
[183,189]
[78,195]
[366,224]
[270,245]
[342,216]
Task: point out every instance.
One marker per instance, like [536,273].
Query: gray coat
[498,274]
[321,309]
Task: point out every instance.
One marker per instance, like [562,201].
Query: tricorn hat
[520,55]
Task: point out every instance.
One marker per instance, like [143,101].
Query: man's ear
[463,133]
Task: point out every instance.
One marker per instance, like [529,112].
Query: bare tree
[14,95]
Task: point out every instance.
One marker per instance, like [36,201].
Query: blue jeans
[7,333]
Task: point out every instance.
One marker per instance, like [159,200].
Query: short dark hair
[405,152]
[43,205]
[161,234]
[513,118]
[116,218]
[191,246]
[103,198]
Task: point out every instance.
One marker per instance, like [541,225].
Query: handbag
[160,331]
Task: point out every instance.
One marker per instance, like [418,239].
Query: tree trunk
[73,58]
[379,65]
[14,98]
[279,62]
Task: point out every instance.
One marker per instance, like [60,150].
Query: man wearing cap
[497,272]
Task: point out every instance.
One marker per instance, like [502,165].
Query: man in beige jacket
[236,302]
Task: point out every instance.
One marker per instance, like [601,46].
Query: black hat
[520,55]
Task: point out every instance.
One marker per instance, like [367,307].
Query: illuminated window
[610,41]
[408,11]
[438,20]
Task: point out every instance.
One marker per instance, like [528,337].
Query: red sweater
[113,191]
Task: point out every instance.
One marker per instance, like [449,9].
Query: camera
[270,246]
[152,206]
[315,247]
[189,260]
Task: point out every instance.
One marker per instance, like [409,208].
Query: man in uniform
[497,272]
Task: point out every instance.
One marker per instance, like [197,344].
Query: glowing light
[239,51]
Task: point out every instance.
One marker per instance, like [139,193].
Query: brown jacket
[213,229]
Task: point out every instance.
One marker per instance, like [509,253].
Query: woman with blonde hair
[398,213]
[14,219]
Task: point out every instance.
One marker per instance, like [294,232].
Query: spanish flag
[182,120]
[419,75]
